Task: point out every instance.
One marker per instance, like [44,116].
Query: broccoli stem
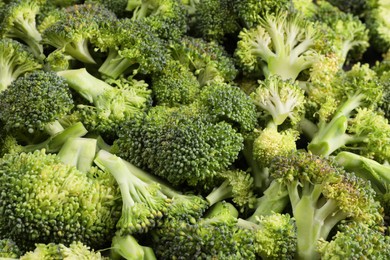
[224,191]
[274,200]
[88,86]
[115,65]
[79,51]
[127,247]
[53,128]
[132,4]
[79,152]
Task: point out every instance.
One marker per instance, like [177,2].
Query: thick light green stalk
[115,65]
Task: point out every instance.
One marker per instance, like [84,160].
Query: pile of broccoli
[194,129]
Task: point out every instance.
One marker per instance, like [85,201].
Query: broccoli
[322,194]
[73,29]
[19,23]
[209,20]
[209,61]
[180,145]
[226,102]
[378,23]
[175,85]
[76,250]
[167,18]
[128,247]
[118,7]
[9,250]
[132,47]
[282,44]
[48,201]
[15,60]
[356,241]
[112,104]
[35,102]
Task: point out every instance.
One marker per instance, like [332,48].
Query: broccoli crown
[15,60]
[250,12]
[214,236]
[132,47]
[76,250]
[167,18]
[378,23]
[322,194]
[73,30]
[281,99]
[19,22]
[180,145]
[229,103]
[175,85]
[356,240]
[8,249]
[282,44]
[209,20]
[207,60]
[34,101]
[118,7]
[349,34]
[47,201]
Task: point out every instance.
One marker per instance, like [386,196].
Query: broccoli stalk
[128,247]
[143,203]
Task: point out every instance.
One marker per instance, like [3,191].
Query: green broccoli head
[228,103]
[118,7]
[47,201]
[15,60]
[19,23]
[175,85]
[34,102]
[76,250]
[378,23]
[180,145]
[356,240]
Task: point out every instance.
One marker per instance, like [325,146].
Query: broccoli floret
[175,85]
[378,23]
[116,6]
[274,236]
[356,241]
[143,203]
[167,18]
[48,201]
[113,103]
[15,60]
[238,186]
[9,250]
[228,103]
[213,20]
[282,44]
[281,99]
[76,250]
[349,35]
[19,23]
[132,47]
[215,236]
[209,61]
[73,29]
[35,102]
[355,7]
[180,145]
[250,12]
[322,194]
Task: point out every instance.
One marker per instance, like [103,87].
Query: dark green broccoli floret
[48,201]
[167,18]
[132,47]
[35,102]
[213,20]
[207,60]
[76,250]
[356,241]
[175,85]
[111,104]
[72,30]
[116,6]
[15,60]
[228,103]
[355,7]
[19,23]
[180,145]
[322,194]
